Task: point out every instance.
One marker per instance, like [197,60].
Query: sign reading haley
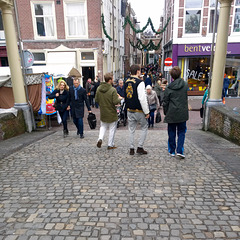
[204,49]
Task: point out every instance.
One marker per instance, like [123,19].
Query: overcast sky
[148,8]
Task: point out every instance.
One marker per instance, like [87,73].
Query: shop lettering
[194,74]
[198,48]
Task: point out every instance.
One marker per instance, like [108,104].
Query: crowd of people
[142,94]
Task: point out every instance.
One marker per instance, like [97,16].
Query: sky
[148,8]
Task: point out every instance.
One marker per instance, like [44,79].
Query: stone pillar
[15,62]
[215,97]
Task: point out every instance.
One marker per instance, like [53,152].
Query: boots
[141,151]
[65,133]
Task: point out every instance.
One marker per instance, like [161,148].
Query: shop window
[76,19]
[44,20]
[39,58]
[212,13]
[87,55]
[193,12]
[236,25]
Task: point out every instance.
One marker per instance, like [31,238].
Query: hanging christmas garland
[149,47]
[104,28]
[128,20]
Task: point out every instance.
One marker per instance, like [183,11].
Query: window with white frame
[236,24]
[76,19]
[211,16]
[44,20]
[193,13]
[39,58]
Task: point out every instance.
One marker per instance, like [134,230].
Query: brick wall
[11,126]
[225,122]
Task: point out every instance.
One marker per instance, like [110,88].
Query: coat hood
[177,84]
[104,87]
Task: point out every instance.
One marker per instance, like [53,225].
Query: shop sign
[204,49]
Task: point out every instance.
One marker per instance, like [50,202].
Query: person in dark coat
[148,81]
[120,88]
[226,83]
[96,85]
[61,94]
[77,98]
[175,107]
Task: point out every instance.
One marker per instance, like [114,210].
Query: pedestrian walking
[77,98]
[137,106]
[61,93]
[107,98]
[153,104]
[226,83]
[158,90]
[175,106]
[120,88]
[90,91]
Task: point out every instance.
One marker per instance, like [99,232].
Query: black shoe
[99,143]
[141,151]
[81,136]
[77,132]
[65,133]
[132,151]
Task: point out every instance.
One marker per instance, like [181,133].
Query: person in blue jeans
[77,98]
[175,107]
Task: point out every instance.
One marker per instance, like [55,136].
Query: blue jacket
[226,82]
[121,91]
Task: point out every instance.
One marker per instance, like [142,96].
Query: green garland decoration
[149,47]
[128,21]
[104,28]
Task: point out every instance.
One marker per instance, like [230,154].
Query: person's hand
[68,108]
[147,116]
[57,95]
[89,111]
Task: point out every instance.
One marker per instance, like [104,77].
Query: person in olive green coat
[175,107]
[107,98]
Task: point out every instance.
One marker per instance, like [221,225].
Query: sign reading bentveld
[204,49]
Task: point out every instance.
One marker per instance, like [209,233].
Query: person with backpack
[107,98]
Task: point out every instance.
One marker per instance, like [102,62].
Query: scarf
[75,91]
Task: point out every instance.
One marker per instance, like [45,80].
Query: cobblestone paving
[67,189]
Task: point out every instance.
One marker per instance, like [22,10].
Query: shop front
[194,60]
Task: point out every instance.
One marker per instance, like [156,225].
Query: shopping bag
[92,121]
[158,117]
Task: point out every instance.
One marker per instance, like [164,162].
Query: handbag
[158,117]
[92,121]
[201,111]
[153,107]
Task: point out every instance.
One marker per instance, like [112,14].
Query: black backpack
[92,121]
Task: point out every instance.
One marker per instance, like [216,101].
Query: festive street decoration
[128,21]
[104,28]
[148,47]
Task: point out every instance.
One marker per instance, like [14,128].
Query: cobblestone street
[66,189]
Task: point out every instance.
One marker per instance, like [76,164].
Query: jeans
[181,129]
[64,116]
[112,130]
[224,92]
[133,120]
[151,118]
[79,124]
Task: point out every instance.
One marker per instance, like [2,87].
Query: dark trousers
[79,124]
[90,99]
[180,129]
[64,117]
[151,118]
[224,92]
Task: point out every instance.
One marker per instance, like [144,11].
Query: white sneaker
[172,154]
[182,156]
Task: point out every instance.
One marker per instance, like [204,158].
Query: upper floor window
[87,55]
[44,20]
[236,24]
[2,36]
[212,14]
[193,13]
[76,19]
